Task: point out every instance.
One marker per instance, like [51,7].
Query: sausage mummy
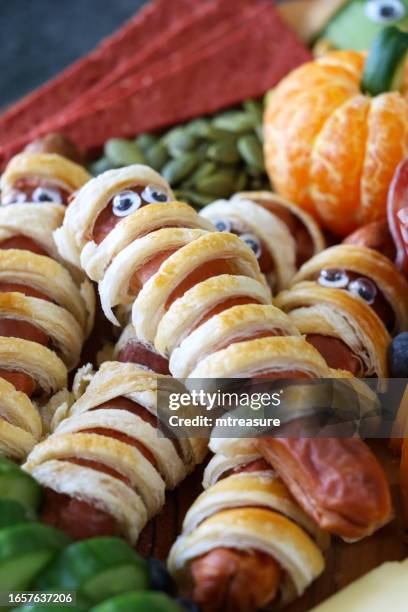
[104,468]
[367,275]
[345,330]
[44,311]
[197,298]
[281,235]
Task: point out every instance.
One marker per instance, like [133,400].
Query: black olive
[398,356]
[160,579]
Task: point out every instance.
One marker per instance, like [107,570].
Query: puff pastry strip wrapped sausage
[43,314]
[105,458]
[368,275]
[323,313]
[282,235]
[246,544]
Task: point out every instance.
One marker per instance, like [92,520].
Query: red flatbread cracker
[245,63]
[155,18]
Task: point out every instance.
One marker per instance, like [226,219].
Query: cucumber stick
[97,569]
[385,61]
[147,601]
[25,550]
[20,486]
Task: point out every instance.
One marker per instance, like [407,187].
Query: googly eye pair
[385,11]
[361,287]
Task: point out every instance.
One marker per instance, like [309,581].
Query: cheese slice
[385,588]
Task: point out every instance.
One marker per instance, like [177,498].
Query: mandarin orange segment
[337,164]
[351,61]
[387,144]
[294,117]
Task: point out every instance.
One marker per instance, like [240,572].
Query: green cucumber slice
[147,601]
[25,550]
[20,486]
[97,568]
[11,513]
[384,61]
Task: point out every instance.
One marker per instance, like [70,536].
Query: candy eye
[223,225]
[46,194]
[14,197]
[125,203]
[334,278]
[253,242]
[363,288]
[155,194]
[385,11]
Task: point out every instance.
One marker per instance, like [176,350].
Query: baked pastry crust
[255,357]
[57,323]
[114,288]
[225,328]
[68,174]
[35,360]
[369,263]
[186,312]
[333,312]
[253,529]
[150,304]
[36,221]
[92,199]
[20,423]
[45,275]
[244,210]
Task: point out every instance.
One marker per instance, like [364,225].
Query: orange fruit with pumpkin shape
[330,146]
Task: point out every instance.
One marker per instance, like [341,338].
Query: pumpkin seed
[237,122]
[181,143]
[123,152]
[177,169]
[100,165]
[251,151]
[254,108]
[198,127]
[157,155]
[145,141]
[193,197]
[205,169]
[220,184]
[225,152]
[217,135]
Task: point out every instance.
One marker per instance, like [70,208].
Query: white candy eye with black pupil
[385,11]
[223,225]
[363,288]
[334,278]
[46,194]
[125,203]
[253,242]
[155,194]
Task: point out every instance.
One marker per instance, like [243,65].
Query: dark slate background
[40,37]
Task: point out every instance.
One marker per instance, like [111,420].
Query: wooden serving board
[344,562]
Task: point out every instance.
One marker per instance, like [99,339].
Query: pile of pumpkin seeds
[203,160]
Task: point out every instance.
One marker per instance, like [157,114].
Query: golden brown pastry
[345,330]
[46,310]
[105,458]
[281,235]
[367,275]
